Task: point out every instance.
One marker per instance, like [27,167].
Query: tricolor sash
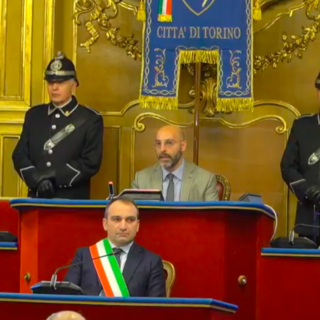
[108,270]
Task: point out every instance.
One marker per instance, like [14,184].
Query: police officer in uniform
[300,167]
[60,147]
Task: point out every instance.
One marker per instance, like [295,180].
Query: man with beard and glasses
[178,179]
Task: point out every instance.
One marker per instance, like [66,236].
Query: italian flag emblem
[165,11]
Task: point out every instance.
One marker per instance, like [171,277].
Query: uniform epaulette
[306,116]
[95,111]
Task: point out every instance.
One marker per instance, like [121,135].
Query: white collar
[126,248]
[60,107]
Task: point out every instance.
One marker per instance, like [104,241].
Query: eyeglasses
[167,143]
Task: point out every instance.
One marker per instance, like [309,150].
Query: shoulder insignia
[95,111]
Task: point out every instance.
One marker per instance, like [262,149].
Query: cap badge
[56,65]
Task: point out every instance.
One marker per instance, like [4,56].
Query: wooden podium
[214,246]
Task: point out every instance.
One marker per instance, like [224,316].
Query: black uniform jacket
[75,159]
[303,141]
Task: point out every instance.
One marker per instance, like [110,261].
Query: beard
[172,160]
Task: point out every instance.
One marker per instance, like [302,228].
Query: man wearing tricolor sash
[117,266]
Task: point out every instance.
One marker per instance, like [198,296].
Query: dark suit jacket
[143,273]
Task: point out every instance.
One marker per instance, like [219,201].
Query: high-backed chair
[171,275]
[224,187]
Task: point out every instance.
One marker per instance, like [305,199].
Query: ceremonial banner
[189,31]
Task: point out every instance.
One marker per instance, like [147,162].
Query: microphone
[111,190]
[54,277]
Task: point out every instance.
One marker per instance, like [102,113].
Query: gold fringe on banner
[164,18]
[256,15]
[192,56]
[234,104]
[141,15]
[195,56]
[158,103]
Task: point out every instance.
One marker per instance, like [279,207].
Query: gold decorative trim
[140,127]
[171,276]
[263,3]
[21,102]
[278,103]
[226,187]
[100,13]
[208,97]
[281,15]
[293,45]
[129,6]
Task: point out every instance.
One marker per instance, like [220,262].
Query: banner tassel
[257,10]
[141,15]
[226,105]
[195,56]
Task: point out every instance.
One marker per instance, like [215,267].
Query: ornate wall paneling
[104,39]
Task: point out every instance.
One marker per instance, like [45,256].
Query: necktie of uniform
[170,190]
[117,252]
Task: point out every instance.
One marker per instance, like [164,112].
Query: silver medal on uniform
[314,158]
[69,128]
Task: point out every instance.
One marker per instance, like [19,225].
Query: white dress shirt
[177,181]
[124,254]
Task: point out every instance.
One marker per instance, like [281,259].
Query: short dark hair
[123,200]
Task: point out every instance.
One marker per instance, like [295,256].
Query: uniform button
[57,115]
[50,151]
[48,164]
[54,127]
